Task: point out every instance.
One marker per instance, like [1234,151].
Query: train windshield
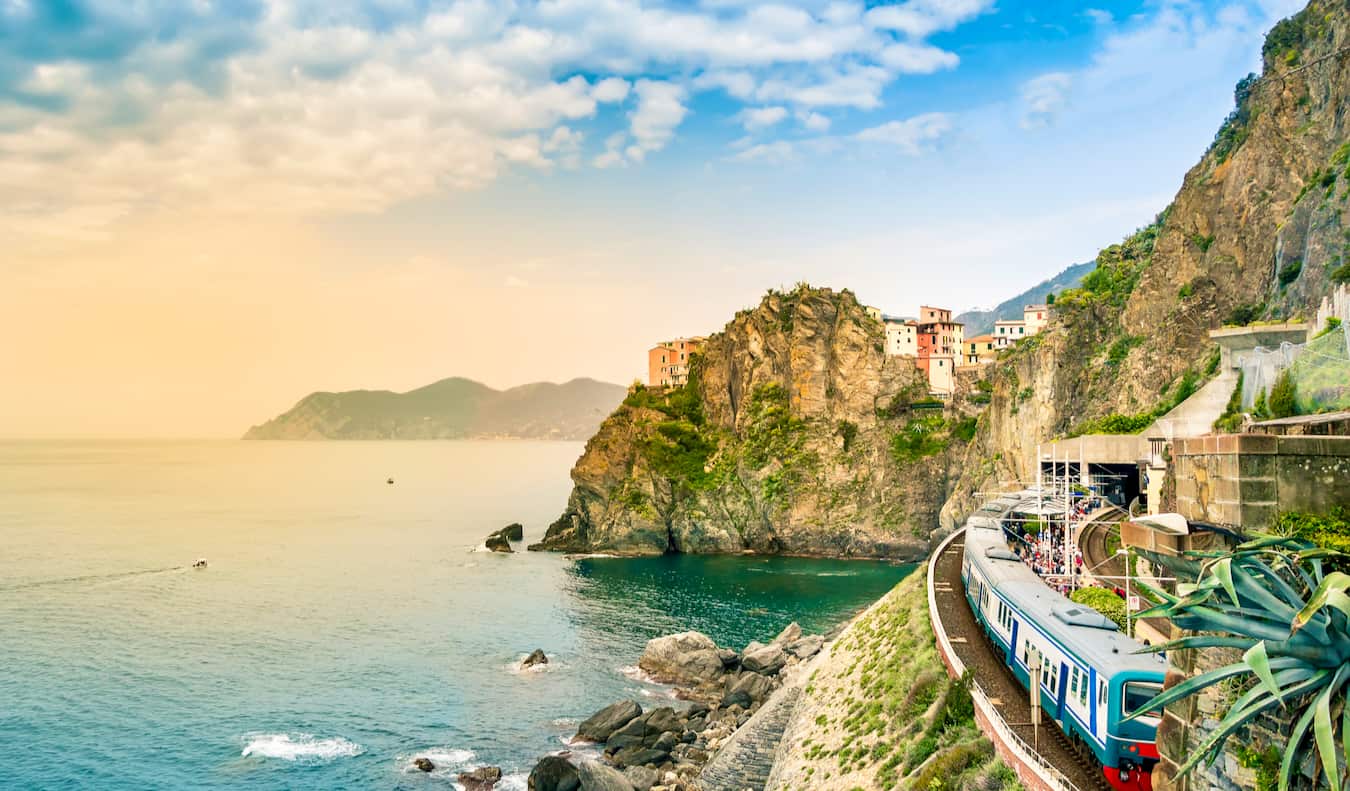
[1137,695]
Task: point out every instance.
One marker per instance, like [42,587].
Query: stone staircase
[745,761]
[1195,416]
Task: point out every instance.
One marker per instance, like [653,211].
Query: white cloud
[776,152]
[610,89]
[814,121]
[1043,97]
[1099,16]
[921,18]
[913,136]
[907,58]
[737,84]
[761,117]
[339,115]
[659,110]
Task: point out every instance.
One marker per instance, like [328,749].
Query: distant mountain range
[979,322]
[452,408]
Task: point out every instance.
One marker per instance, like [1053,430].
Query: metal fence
[1320,369]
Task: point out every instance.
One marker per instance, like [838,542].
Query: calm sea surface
[344,625]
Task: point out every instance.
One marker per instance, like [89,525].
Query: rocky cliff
[795,435]
[1258,231]
[449,409]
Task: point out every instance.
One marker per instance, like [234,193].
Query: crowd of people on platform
[1041,546]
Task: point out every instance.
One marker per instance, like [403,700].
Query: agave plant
[1270,599]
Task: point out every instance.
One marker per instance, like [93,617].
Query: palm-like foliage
[1270,599]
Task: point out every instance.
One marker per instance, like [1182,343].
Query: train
[1092,676]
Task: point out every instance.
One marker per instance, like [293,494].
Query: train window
[1082,689]
[1137,695]
[1101,693]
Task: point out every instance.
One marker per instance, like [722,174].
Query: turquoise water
[344,625]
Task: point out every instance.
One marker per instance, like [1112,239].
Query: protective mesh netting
[1320,369]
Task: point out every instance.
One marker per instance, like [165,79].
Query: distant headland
[453,408]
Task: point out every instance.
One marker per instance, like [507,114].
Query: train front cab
[1132,749]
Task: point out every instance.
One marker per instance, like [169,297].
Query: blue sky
[364,186]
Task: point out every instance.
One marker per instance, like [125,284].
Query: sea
[347,621]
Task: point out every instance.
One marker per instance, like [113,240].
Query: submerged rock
[536,657]
[424,764]
[600,725]
[554,773]
[480,779]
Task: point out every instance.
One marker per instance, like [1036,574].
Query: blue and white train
[1091,677]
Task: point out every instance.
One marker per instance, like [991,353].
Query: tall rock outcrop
[795,435]
[1257,231]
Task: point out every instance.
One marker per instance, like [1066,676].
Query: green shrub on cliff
[1283,400]
[1330,530]
[1103,601]
[921,437]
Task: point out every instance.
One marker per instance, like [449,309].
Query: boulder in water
[424,764]
[606,721]
[554,773]
[748,689]
[497,542]
[684,658]
[480,779]
[513,532]
[806,647]
[536,657]
[790,633]
[766,659]
[595,776]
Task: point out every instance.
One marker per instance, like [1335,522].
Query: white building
[1035,317]
[902,336]
[1006,333]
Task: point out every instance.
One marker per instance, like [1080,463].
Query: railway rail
[996,682]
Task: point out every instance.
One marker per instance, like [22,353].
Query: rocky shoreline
[666,748]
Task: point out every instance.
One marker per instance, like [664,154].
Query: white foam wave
[589,555]
[300,747]
[637,674]
[837,574]
[513,782]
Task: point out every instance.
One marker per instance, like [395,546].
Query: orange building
[940,348]
[668,362]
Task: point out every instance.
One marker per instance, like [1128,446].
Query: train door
[1063,678]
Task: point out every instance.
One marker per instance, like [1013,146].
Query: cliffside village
[935,342]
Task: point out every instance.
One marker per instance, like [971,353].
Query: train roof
[1089,635]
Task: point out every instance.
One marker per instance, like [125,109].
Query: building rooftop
[1305,420]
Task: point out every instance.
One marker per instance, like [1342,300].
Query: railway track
[973,647]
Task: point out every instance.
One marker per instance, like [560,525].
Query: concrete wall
[1244,480]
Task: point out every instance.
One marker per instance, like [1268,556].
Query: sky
[209,209]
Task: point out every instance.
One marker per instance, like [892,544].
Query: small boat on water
[199,563]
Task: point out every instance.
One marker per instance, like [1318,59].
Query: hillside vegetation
[796,434]
[449,409]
